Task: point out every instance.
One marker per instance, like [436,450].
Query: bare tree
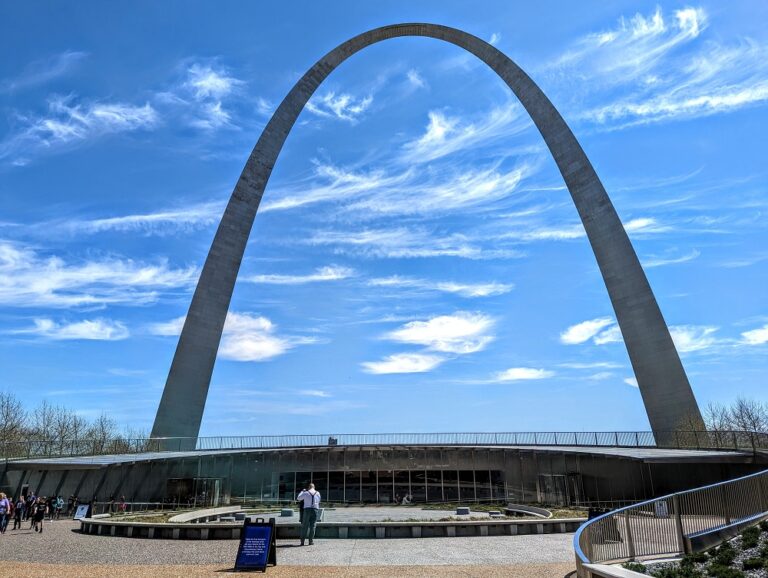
[749,415]
[13,419]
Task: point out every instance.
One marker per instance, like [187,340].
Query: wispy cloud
[402,243]
[658,261]
[70,122]
[445,134]
[161,222]
[402,191]
[28,279]
[403,363]
[328,273]
[95,329]
[42,71]
[665,67]
[341,107]
[637,44]
[470,290]
[245,337]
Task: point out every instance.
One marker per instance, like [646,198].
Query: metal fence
[724,440]
[659,527]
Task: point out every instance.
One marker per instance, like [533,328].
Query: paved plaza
[65,552]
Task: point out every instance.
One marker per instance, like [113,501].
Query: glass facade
[370,475]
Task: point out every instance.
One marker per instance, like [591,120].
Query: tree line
[55,426]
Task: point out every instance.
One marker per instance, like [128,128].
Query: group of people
[32,508]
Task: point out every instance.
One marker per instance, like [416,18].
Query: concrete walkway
[68,553]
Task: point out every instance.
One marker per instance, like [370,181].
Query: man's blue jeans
[308,524]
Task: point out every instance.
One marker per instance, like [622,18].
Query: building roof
[645,454]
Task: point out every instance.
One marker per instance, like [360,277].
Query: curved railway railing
[723,440]
[663,526]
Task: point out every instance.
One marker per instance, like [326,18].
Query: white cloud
[70,123]
[208,86]
[95,329]
[494,39]
[756,336]
[329,273]
[248,338]
[460,333]
[689,338]
[206,82]
[415,79]
[403,363]
[168,328]
[342,107]
[245,337]
[605,330]
[645,225]
[631,381]
[523,374]
[610,335]
[28,279]
[585,330]
[212,116]
[470,290]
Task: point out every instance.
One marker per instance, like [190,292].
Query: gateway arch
[663,384]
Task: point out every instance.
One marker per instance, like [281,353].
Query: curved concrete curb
[426,529]
[209,514]
[532,510]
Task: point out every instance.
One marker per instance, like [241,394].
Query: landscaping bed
[745,556]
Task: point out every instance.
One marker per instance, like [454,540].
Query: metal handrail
[659,527]
[730,440]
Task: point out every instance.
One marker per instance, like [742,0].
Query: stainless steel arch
[663,383]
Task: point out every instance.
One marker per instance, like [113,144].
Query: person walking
[41,509]
[5,511]
[311,499]
[31,501]
[18,512]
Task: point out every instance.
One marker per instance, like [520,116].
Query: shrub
[764,525]
[681,572]
[720,571]
[753,563]
[750,537]
[724,555]
[695,558]
[764,551]
[635,567]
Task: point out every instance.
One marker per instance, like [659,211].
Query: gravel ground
[74,554]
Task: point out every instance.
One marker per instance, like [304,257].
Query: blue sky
[416,264]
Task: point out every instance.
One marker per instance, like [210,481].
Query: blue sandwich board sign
[257,548]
